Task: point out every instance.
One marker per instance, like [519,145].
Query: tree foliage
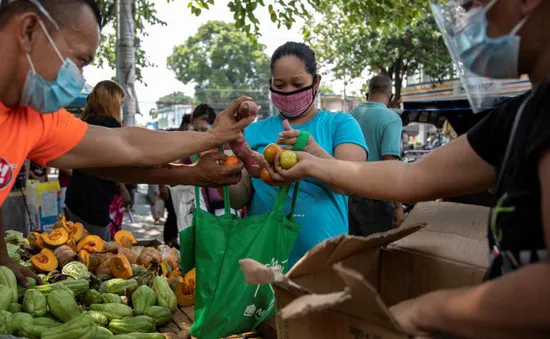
[145,16]
[348,48]
[380,13]
[223,63]
[174,98]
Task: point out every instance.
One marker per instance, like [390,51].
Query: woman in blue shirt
[321,211]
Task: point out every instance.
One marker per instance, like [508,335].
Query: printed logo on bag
[6,173]
[249,311]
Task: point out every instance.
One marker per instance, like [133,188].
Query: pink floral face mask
[293,104]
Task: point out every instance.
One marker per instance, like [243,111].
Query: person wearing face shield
[44,46]
[508,151]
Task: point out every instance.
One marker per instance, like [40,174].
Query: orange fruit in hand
[231,161]
[271,151]
[266,176]
[288,159]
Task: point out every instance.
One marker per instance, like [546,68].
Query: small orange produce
[266,176]
[35,240]
[231,161]
[271,151]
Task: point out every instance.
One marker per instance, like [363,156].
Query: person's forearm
[153,176]
[516,305]
[151,148]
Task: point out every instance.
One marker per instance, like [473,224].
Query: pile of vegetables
[91,288]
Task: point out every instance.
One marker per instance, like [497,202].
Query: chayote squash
[46,322]
[140,336]
[20,318]
[139,324]
[6,297]
[99,317]
[7,278]
[62,305]
[102,333]
[81,327]
[21,290]
[111,298]
[92,297]
[47,288]
[31,331]
[35,303]
[165,296]
[6,323]
[118,286]
[161,315]
[113,311]
[76,269]
[143,298]
[14,308]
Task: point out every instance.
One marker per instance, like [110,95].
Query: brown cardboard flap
[455,232]
[314,303]
[336,249]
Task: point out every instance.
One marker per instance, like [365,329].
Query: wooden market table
[182,320]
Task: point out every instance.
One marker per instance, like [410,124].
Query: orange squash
[111,246]
[96,259]
[125,238]
[35,240]
[76,230]
[169,255]
[90,243]
[57,237]
[61,222]
[120,267]
[45,261]
[185,289]
[84,257]
[105,267]
[71,243]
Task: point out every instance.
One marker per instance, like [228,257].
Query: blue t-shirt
[382,129]
[321,212]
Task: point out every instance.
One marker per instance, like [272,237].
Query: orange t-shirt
[27,134]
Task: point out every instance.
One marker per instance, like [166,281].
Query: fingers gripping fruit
[231,161]
[271,151]
[254,162]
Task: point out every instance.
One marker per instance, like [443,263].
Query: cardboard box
[343,287]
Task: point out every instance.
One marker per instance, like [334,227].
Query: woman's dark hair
[204,111]
[186,120]
[299,50]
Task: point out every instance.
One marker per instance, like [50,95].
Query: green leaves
[224,63]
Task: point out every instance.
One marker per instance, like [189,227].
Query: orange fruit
[271,151]
[266,176]
[231,161]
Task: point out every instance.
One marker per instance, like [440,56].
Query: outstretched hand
[226,126]
[288,138]
[299,171]
[213,174]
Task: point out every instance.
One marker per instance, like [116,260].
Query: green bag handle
[299,145]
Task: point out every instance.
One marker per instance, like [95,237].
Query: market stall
[95,289]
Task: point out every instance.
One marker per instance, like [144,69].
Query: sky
[181,24]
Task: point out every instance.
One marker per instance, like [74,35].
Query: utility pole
[126,59]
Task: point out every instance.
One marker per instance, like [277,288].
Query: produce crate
[182,320]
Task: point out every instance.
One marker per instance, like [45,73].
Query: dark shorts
[367,216]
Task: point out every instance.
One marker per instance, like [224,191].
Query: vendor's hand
[406,314]
[276,179]
[297,172]
[226,127]
[288,137]
[21,272]
[212,174]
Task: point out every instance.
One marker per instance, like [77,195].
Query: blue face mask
[495,58]
[50,96]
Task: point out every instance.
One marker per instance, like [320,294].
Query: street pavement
[143,227]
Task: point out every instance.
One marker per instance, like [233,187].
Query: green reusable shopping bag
[224,303]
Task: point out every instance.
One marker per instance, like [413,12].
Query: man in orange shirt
[45,45]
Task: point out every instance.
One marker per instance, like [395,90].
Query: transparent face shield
[452,17]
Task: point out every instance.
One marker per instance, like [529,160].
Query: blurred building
[170,116]
[336,103]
